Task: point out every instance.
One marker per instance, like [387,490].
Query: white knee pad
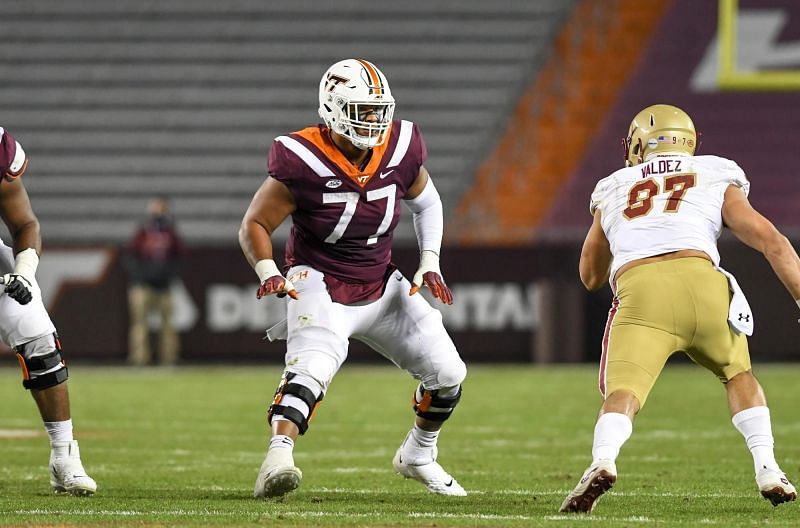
[442,366]
[41,362]
[316,352]
[452,375]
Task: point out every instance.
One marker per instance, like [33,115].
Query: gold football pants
[665,307]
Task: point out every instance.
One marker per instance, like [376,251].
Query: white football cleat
[66,470]
[430,473]
[278,474]
[774,486]
[595,481]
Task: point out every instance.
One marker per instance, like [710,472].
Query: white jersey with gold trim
[665,204]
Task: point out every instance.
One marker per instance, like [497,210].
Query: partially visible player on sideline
[654,235]
[26,327]
[342,183]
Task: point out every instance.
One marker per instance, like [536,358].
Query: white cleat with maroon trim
[595,481]
[774,486]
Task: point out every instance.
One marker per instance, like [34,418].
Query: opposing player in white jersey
[656,223]
[26,327]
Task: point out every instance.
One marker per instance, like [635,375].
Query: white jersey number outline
[640,195]
[350,199]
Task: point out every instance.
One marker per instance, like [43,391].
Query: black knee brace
[431,406]
[290,413]
[35,368]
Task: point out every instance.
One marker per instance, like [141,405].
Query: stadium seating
[554,121]
[183,98]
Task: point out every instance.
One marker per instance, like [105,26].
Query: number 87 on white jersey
[665,204]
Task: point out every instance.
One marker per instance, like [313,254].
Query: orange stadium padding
[554,120]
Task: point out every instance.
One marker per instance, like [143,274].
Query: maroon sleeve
[418,145]
[8,152]
[278,164]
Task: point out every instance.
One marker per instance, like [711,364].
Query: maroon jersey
[13,161]
[345,217]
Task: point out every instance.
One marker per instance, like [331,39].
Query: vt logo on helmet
[356,102]
[659,129]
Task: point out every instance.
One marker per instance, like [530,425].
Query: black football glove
[18,287]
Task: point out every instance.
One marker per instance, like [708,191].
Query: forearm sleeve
[26,263]
[428,218]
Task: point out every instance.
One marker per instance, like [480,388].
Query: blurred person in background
[152,260]
[342,184]
[654,237]
[26,327]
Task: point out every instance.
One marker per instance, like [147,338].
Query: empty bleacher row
[118,101]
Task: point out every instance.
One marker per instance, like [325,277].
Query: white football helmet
[356,102]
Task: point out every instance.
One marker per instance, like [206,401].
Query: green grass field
[182,447]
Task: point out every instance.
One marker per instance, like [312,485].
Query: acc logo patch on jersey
[333,184]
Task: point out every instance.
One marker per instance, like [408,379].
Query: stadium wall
[512,305]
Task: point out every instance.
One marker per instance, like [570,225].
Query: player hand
[18,287]
[277,285]
[430,275]
[272,282]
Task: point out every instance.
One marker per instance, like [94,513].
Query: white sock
[612,430]
[59,431]
[756,428]
[424,438]
[281,442]
[419,447]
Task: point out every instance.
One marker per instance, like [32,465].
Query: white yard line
[531,492]
[319,514]
[125,513]
[573,518]
[21,433]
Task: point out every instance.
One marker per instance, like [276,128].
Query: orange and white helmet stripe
[376,85]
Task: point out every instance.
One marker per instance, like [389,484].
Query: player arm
[752,228]
[425,204]
[17,213]
[595,263]
[15,207]
[270,206]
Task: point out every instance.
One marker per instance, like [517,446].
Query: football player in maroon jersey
[26,327]
[342,183]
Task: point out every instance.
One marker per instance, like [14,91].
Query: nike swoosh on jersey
[383,175]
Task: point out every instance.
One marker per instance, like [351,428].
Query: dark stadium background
[522,104]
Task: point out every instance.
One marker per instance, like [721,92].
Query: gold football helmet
[659,129]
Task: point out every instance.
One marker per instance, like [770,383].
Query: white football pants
[403,328]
